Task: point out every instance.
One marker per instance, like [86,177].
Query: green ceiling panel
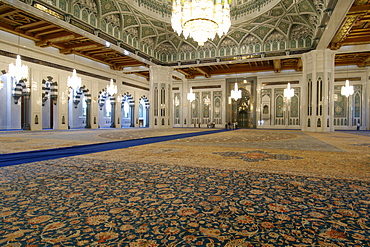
[305,7]
[175,41]
[273,22]
[161,39]
[287,3]
[277,12]
[262,31]
[237,35]
[192,42]
[297,19]
[124,7]
[129,20]
[284,27]
[249,27]
[292,11]
[147,31]
[216,39]
[107,6]
[158,24]
[260,19]
[143,21]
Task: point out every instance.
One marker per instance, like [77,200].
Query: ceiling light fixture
[347,90]
[111,89]
[74,81]
[201,19]
[191,95]
[18,71]
[236,93]
[288,92]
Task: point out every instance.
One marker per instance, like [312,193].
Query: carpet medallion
[87,202]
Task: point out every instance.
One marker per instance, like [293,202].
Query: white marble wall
[10,112]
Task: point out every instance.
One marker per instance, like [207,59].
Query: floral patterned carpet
[92,200]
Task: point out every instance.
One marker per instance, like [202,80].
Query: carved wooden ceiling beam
[51,31]
[30,25]
[365,62]
[277,65]
[128,64]
[58,37]
[37,29]
[186,74]
[118,58]
[9,13]
[203,72]
[142,74]
[354,16]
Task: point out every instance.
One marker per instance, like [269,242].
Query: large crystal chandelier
[18,71]
[191,95]
[288,92]
[201,19]
[347,90]
[236,93]
[111,88]
[74,81]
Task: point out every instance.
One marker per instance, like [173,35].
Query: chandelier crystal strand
[200,19]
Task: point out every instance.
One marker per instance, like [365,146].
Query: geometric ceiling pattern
[268,29]
[145,25]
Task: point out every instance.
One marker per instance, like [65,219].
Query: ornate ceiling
[268,36]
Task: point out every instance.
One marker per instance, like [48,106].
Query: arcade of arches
[45,101]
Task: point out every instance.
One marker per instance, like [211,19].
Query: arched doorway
[49,97]
[127,108]
[243,119]
[79,108]
[144,112]
[243,110]
[105,110]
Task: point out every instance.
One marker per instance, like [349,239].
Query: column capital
[160,72]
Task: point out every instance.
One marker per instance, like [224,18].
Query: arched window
[85,15]
[63,5]
[93,20]
[282,45]
[76,11]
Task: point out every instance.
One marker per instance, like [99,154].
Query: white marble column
[160,96]
[318,91]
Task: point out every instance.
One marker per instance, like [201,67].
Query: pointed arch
[19,90]
[128,113]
